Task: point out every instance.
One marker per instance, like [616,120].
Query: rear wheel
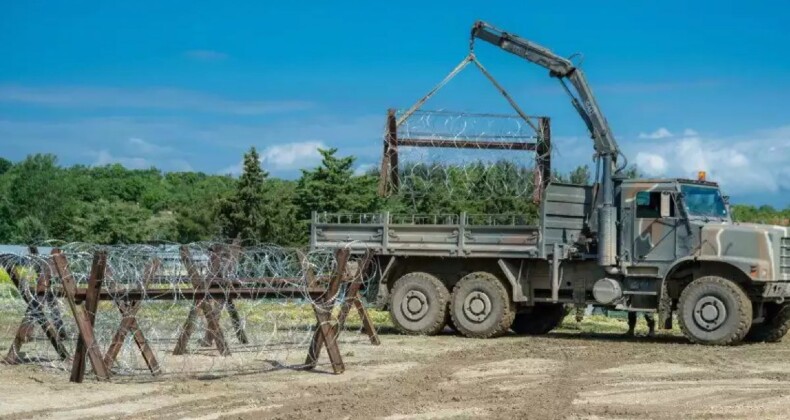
[418,304]
[540,319]
[481,306]
[714,311]
[775,326]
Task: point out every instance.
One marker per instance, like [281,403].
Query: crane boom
[561,68]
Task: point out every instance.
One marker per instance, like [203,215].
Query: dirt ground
[566,374]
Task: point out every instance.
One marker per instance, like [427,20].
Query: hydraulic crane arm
[561,68]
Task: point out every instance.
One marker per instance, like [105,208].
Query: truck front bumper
[778,289]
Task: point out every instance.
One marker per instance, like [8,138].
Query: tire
[540,319]
[714,311]
[775,326]
[481,306]
[418,304]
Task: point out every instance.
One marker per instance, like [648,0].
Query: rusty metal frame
[389,179]
[84,315]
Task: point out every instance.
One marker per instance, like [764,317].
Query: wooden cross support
[84,315]
[129,309]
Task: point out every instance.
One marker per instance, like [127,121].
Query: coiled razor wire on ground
[278,327]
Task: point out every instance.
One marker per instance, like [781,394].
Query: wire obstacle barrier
[457,153]
[129,309]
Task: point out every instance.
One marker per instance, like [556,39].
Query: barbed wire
[271,327]
[459,154]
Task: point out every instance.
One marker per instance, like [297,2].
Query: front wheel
[714,311]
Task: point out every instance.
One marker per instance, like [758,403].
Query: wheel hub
[477,306]
[710,313]
[414,305]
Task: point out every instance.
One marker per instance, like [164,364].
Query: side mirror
[666,202]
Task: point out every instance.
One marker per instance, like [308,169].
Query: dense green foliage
[111,204]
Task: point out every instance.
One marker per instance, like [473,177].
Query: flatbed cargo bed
[448,235]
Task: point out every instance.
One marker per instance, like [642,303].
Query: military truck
[650,245]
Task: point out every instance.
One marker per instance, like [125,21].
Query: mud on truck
[650,245]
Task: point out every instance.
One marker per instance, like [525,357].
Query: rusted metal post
[389,180]
[84,315]
[542,159]
[234,252]
[215,271]
[199,304]
[324,333]
[468,144]
[353,298]
[129,323]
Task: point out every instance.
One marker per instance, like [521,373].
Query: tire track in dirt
[465,382]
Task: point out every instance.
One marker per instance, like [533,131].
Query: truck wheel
[540,319]
[775,326]
[714,311]
[481,306]
[418,304]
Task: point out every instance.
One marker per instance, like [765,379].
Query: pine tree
[243,216]
[332,187]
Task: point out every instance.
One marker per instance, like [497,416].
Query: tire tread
[441,290]
[744,309]
[509,307]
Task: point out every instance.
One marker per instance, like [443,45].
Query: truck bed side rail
[447,235]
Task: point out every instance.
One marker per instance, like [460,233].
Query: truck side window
[648,205]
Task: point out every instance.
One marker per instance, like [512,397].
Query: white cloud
[283,157]
[744,165]
[661,133]
[138,145]
[364,168]
[651,164]
[205,55]
[144,98]
[690,133]
[292,155]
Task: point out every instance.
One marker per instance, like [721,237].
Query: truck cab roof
[669,181]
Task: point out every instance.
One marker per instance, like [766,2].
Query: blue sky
[191,85]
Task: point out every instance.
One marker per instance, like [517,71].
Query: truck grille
[784,258]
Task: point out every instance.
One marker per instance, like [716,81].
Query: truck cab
[674,232]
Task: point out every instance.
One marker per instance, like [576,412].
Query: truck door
[655,237]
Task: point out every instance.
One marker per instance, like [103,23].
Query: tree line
[40,199]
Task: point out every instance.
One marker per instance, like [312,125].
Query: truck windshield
[703,201]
